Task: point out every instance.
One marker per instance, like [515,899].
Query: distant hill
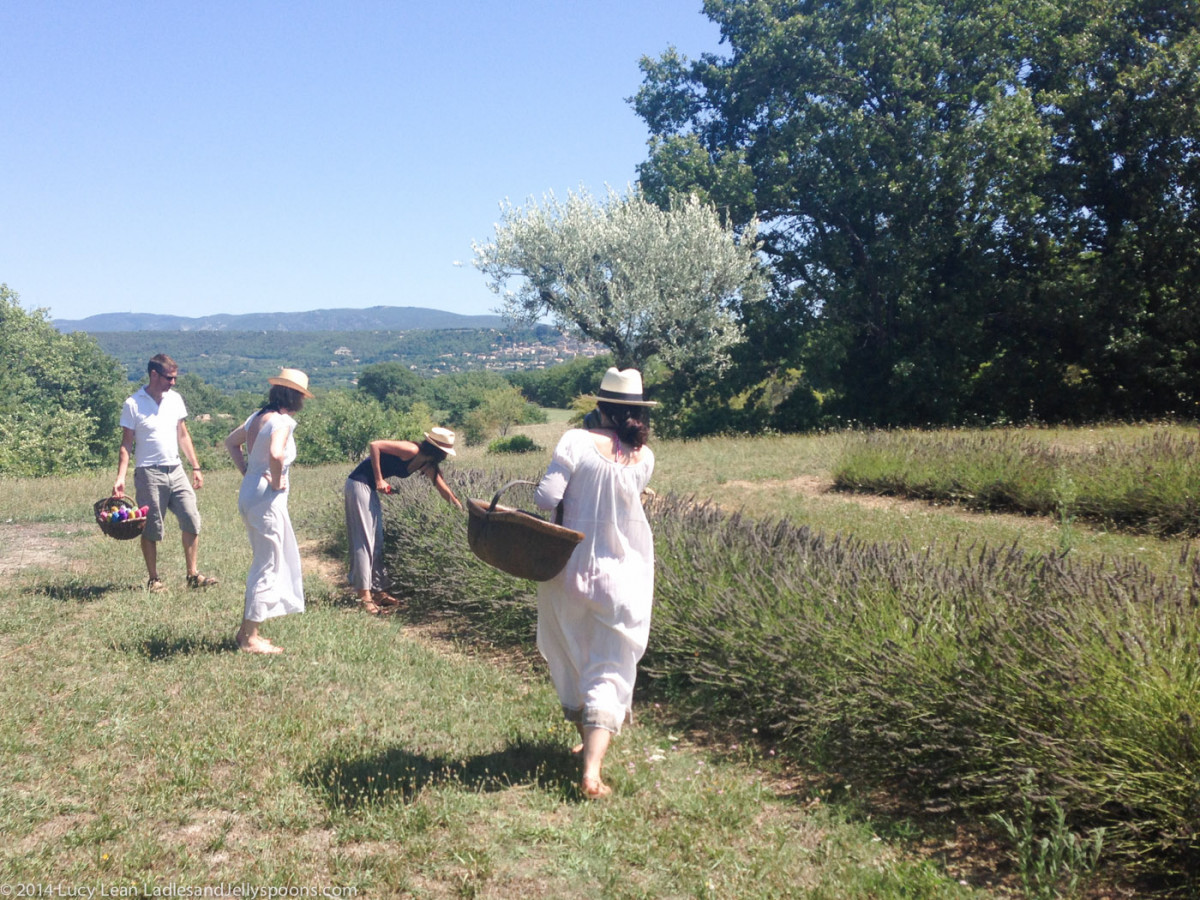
[375,318]
[231,360]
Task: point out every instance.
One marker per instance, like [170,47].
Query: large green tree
[60,396]
[1119,87]
[971,208]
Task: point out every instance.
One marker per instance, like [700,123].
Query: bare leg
[190,550]
[595,745]
[150,554]
[251,641]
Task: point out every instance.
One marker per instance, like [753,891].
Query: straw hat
[442,438]
[292,378]
[622,387]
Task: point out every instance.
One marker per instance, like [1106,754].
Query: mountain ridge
[373,318]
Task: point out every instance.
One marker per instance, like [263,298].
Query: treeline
[972,211]
[61,394]
[390,400]
[968,213]
[240,360]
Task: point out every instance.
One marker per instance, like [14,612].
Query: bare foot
[595,789]
[257,645]
[577,749]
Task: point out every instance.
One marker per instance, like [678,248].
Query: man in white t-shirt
[153,429]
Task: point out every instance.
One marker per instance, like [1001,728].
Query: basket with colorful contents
[518,542]
[119,517]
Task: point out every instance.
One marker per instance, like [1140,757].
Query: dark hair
[629,422]
[162,364]
[281,397]
[433,451]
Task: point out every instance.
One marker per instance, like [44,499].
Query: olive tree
[645,281]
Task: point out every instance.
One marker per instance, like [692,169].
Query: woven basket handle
[505,488]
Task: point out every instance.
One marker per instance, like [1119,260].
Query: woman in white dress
[274,586]
[594,617]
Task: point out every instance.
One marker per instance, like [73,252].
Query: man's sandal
[154,586]
[201,581]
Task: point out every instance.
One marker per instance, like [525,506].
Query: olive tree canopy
[644,281]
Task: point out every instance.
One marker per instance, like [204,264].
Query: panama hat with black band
[622,387]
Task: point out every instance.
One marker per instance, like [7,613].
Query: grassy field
[378,758]
[143,753]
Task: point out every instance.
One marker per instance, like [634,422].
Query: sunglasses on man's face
[162,374]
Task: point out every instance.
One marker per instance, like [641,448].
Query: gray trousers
[364,532]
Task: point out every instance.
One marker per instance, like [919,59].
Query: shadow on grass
[398,776]
[77,593]
[157,647]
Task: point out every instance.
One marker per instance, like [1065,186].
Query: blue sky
[228,156]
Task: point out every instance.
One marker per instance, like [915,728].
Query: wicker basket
[122,531]
[518,542]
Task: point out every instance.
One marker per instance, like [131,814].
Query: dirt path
[29,545]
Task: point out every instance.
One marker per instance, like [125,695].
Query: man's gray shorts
[162,488]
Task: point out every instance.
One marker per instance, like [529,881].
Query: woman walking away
[274,586]
[364,513]
[594,616]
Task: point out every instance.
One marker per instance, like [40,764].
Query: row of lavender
[1149,485]
[951,680]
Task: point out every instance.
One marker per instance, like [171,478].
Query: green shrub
[60,395]
[517,443]
[337,426]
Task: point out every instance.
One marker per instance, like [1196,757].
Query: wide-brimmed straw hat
[442,438]
[622,387]
[292,378]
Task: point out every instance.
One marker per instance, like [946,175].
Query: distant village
[521,356]
[507,355]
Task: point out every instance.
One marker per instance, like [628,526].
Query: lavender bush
[951,680]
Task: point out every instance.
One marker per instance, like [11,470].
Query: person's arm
[123,461]
[279,439]
[442,488]
[185,444]
[404,449]
[233,446]
[553,486]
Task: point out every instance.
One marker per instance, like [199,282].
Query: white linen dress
[274,586]
[594,617]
